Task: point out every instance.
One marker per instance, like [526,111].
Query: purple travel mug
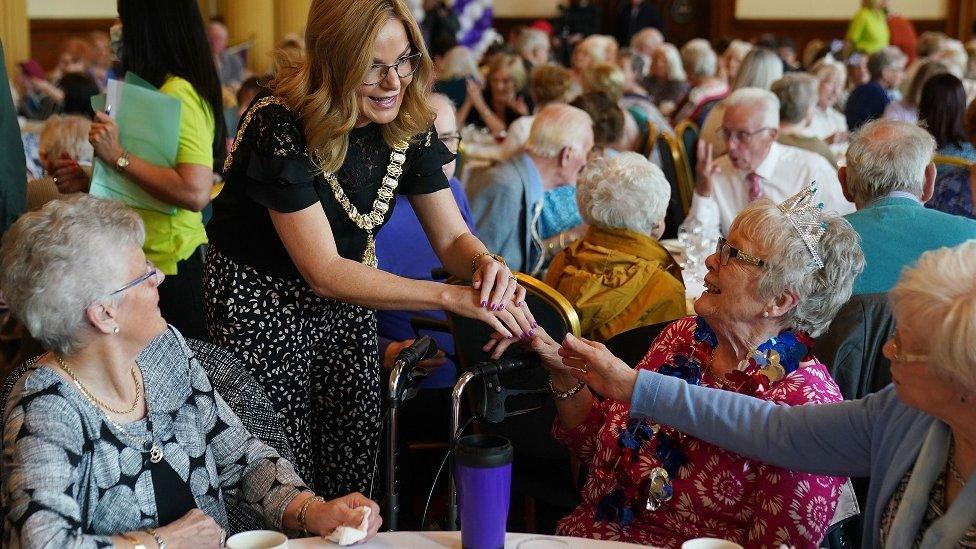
[483,470]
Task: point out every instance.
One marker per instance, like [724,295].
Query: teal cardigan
[895,231]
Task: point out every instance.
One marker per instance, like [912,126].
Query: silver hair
[626,191]
[56,261]
[556,127]
[530,39]
[938,295]
[648,36]
[600,47]
[698,58]
[828,68]
[459,62]
[798,93]
[676,71]
[759,69]
[885,156]
[65,135]
[763,103]
[885,58]
[820,292]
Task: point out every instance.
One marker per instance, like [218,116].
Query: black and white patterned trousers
[317,360]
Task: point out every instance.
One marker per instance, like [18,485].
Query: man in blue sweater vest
[889,176]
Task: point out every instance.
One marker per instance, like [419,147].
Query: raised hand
[705,169]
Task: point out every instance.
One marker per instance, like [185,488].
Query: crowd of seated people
[842,171]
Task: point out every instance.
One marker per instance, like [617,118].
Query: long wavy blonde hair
[321,90]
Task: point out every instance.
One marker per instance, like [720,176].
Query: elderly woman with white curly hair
[770,288]
[116,436]
[618,276]
[916,438]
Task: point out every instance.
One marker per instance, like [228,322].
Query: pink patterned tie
[755,186]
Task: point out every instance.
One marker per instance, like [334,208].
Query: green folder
[149,128]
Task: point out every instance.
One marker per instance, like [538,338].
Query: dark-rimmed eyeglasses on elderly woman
[726,252]
[404,67]
[897,355]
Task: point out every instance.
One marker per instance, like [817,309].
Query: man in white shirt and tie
[756,166]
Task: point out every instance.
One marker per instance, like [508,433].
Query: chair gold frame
[553,298]
[956,161]
[679,132]
[652,133]
[685,186]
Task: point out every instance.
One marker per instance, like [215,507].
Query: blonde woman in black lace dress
[291,284]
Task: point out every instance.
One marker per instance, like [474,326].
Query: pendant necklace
[150,446]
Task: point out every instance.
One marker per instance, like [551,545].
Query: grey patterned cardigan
[70,480]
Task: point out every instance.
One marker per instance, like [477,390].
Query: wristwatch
[122,162]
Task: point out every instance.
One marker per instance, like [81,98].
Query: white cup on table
[258,539]
[709,543]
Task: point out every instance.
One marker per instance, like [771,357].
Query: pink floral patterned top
[715,493]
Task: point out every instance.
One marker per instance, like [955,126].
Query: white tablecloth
[438,540]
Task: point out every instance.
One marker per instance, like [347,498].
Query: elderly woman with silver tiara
[769,287]
[116,437]
[916,438]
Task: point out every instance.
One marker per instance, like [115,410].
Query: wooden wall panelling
[698,24]
[48,35]
[725,24]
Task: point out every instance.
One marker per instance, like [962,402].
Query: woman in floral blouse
[768,289]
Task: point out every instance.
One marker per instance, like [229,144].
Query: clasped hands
[588,361]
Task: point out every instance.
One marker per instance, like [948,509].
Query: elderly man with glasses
[756,166]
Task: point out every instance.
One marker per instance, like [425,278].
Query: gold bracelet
[304,509]
[474,260]
[136,544]
[159,539]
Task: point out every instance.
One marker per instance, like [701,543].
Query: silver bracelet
[159,539]
[563,395]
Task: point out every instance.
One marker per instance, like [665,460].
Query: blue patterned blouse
[952,191]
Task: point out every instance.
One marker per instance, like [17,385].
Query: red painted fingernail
[484,303]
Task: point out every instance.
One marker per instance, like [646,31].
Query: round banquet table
[452,540]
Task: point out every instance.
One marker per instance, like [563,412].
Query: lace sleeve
[269,158]
[426,158]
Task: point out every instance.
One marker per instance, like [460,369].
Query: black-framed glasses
[741,136]
[404,67]
[151,272]
[726,252]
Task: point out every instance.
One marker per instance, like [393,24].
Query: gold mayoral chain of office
[384,196]
[369,222]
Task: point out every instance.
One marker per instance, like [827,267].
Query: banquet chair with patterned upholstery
[243,394]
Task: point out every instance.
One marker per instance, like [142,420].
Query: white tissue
[347,535]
